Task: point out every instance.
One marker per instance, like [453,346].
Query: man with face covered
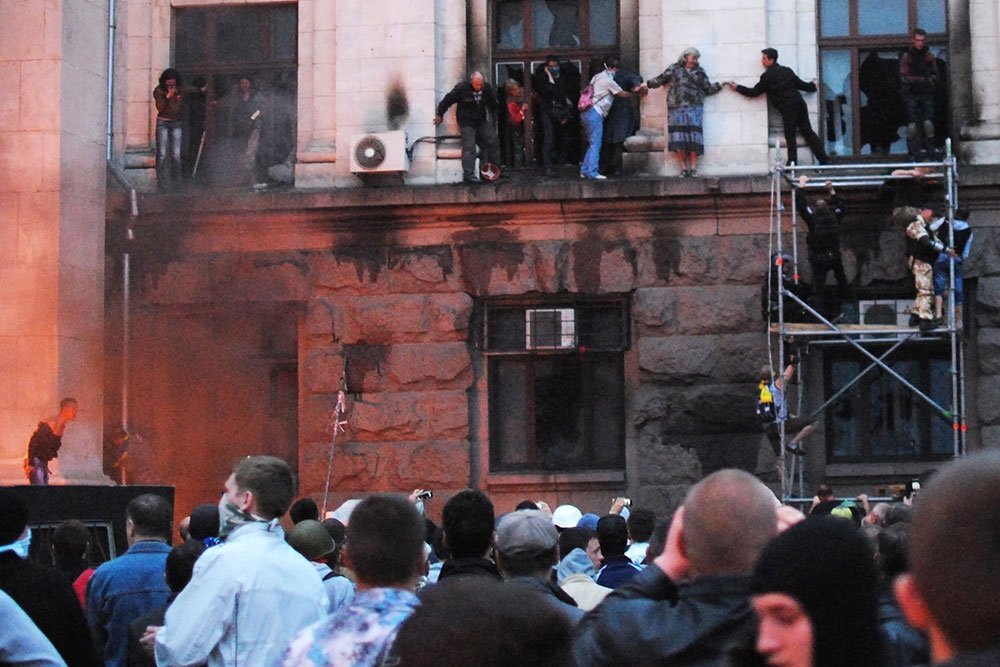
[251,595]
[475,100]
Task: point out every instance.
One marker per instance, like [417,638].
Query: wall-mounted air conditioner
[379,153]
[549,328]
[888,312]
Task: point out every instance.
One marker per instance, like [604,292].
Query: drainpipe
[111,77]
[119,176]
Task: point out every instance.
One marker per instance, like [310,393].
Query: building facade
[537,337]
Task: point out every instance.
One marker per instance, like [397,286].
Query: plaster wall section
[52,145]
[982,133]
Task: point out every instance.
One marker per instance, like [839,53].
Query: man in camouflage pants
[922,249]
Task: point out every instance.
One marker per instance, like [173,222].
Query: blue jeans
[169,133]
[941,274]
[593,128]
[39,474]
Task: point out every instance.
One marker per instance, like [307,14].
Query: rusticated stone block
[551,262]
[500,268]
[667,463]
[729,450]
[266,278]
[696,310]
[654,309]
[449,415]
[718,408]
[988,293]
[883,258]
[357,271]
[743,259]
[405,318]
[601,266]
[988,349]
[662,499]
[691,359]
[316,416]
[427,269]
[697,260]
[990,437]
[322,370]
[430,365]
[387,417]
[324,318]
[387,467]
[987,392]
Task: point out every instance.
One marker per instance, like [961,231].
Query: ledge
[555,480]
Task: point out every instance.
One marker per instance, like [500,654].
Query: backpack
[765,404]
[586,98]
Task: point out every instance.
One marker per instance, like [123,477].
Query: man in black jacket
[44,594]
[919,75]
[475,99]
[467,521]
[823,217]
[691,605]
[782,86]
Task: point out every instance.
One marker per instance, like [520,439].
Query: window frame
[855,43]
[494,466]
[923,354]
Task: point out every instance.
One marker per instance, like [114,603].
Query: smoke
[397,107]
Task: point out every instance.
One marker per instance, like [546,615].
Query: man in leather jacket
[691,605]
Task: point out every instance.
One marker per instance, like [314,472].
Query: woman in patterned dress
[688,85]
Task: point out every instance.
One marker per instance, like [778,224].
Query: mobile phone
[424,495]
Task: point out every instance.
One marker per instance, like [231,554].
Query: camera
[424,495]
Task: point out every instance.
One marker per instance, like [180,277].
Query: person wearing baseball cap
[526,550]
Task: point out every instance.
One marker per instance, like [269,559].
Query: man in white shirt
[249,596]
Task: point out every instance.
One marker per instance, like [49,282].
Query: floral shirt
[359,634]
[688,87]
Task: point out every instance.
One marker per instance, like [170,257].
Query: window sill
[898,469]
[554,480]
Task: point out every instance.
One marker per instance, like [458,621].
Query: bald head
[954,542]
[728,518]
[476,80]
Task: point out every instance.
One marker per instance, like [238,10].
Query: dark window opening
[860,43]
[524,32]
[216,47]
[556,385]
[879,419]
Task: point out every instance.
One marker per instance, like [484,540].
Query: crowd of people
[731,577]
[605,115]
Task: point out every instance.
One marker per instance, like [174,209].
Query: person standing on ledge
[45,443]
[475,102]
[782,86]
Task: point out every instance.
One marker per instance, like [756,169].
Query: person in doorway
[919,75]
[45,442]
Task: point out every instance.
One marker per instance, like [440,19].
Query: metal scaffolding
[860,336]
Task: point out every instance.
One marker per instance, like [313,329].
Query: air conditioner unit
[549,328]
[379,153]
[888,312]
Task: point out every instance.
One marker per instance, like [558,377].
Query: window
[881,420]
[860,42]
[216,47]
[524,32]
[556,384]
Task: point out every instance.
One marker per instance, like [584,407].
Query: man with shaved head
[953,586]
[475,99]
[691,605]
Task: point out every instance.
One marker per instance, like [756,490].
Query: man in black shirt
[782,86]
[919,75]
[475,99]
[823,217]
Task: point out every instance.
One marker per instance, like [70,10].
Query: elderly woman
[688,86]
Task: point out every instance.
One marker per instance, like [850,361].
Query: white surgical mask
[19,547]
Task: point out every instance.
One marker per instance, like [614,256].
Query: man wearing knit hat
[692,603]
[527,548]
[816,595]
[952,590]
